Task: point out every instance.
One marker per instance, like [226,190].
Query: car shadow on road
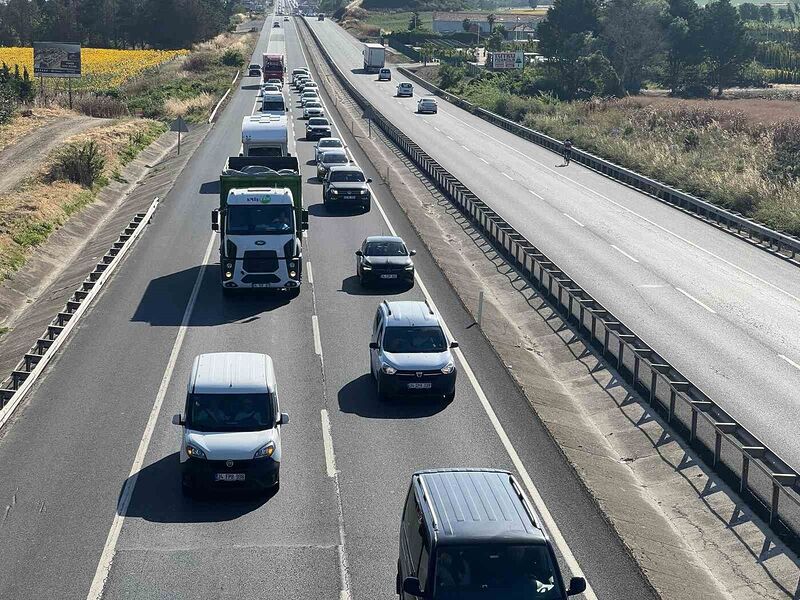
[164,301]
[210,187]
[158,498]
[255,86]
[360,397]
[351,285]
[320,210]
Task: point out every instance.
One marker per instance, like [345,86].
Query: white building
[453,22]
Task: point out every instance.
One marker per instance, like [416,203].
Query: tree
[495,41]
[683,31]
[634,37]
[727,46]
[749,12]
[567,34]
[413,22]
[491,19]
[467,25]
[766,13]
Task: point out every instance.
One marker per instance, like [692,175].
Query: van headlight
[335,192]
[265,451]
[388,369]
[448,368]
[195,452]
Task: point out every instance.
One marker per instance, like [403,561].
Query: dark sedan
[385,259]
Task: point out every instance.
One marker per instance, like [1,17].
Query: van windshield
[230,412]
[495,571]
[401,340]
[273,106]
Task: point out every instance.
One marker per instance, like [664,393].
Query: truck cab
[265,134]
[260,223]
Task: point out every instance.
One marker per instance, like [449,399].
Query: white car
[301,79]
[331,158]
[231,424]
[313,109]
[269,88]
[427,105]
[405,89]
[308,97]
[275,81]
[310,85]
[326,144]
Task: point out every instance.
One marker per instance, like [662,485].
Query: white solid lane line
[538,501]
[109,549]
[573,219]
[506,175]
[696,301]
[634,213]
[620,250]
[790,361]
[467,149]
[484,160]
[327,442]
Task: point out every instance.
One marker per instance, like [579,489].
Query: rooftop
[232,373]
[409,313]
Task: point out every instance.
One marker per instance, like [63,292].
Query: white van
[231,424]
[265,134]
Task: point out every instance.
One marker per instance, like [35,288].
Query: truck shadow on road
[359,397]
[157,497]
[164,301]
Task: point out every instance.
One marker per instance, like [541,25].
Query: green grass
[398,21]
[138,142]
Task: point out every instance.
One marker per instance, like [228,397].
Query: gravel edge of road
[690,543]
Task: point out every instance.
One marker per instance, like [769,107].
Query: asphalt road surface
[101,417]
[722,311]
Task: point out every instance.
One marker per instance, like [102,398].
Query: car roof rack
[426,497]
[524,500]
[388,308]
[430,310]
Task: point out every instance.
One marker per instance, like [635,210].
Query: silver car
[427,105]
[326,144]
[313,109]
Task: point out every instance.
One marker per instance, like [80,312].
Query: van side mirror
[215,220]
[373,345]
[412,253]
[359,253]
[283,419]
[577,585]
[454,344]
[369,179]
[177,420]
[411,586]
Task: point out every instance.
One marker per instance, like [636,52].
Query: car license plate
[389,276]
[260,285]
[419,386]
[349,197]
[229,477]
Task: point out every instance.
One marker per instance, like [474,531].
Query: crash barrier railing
[780,244]
[769,485]
[14,388]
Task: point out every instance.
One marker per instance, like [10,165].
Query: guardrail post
[721,428]
[748,452]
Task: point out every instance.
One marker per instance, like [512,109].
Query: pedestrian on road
[567,151]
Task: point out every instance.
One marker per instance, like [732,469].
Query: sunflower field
[103,68]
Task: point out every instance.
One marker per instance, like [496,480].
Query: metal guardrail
[780,244]
[770,486]
[14,388]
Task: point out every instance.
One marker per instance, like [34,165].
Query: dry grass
[175,107]
[756,111]
[20,125]
[39,206]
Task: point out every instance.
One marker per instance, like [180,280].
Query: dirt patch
[20,125]
[757,110]
[24,157]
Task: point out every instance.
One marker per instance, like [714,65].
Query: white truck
[260,221]
[374,57]
[265,134]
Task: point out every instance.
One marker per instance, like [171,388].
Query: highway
[722,311]
[95,432]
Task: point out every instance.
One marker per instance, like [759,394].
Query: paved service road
[720,310]
[106,403]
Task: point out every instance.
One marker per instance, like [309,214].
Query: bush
[785,163]
[232,58]
[100,106]
[81,163]
[197,62]
[449,76]
[7,106]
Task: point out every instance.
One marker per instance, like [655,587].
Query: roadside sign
[179,125]
[519,60]
[54,59]
[501,61]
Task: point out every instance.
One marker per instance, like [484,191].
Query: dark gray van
[470,534]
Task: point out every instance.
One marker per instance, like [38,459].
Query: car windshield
[385,249]
[274,81]
[330,144]
[259,219]
[495,571]
[334,158]
[318,121]
[348,176]
[230,412]
[273,105]
[414,339]
[254,67]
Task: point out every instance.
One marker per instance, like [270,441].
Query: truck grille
[260,261]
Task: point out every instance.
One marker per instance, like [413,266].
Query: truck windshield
[403,340]
[495,571]
[259,219]
[230,412]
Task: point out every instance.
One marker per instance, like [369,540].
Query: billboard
[500,61]
[54,59]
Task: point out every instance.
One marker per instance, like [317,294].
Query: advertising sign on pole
[501,61]
[54,59]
